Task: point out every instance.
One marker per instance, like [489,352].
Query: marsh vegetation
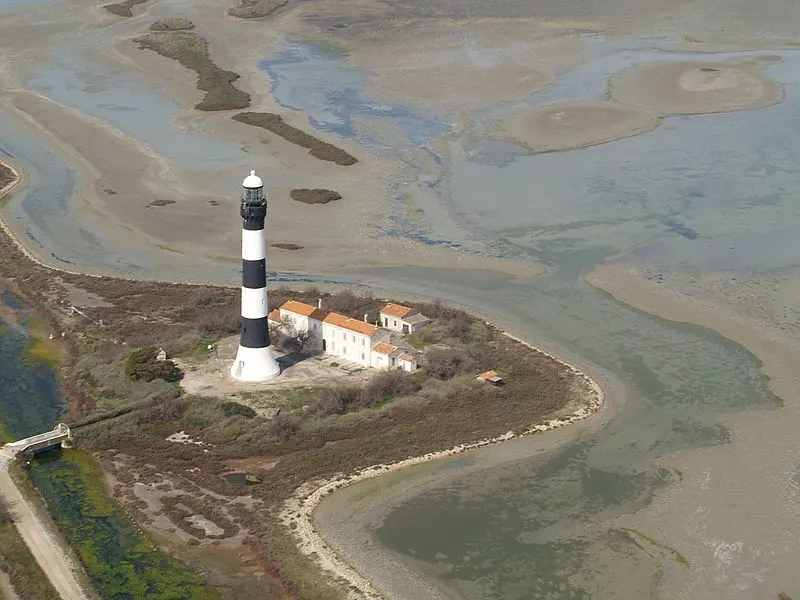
[192,51]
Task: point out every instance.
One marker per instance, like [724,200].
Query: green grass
[256,10]
[317,148]
[16,561]
[191,51]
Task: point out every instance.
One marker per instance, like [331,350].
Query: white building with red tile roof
[402,318]
[351,339]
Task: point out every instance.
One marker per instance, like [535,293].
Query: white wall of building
[348,345]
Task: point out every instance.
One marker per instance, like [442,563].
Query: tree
[143,365]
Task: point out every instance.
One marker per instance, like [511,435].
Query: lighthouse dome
[252,181]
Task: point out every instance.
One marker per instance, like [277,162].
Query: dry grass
[172,24]
[317,148]
[314,196]
[191,50]
[250,9]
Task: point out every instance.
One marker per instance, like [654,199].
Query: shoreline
[309,494]
[298,512]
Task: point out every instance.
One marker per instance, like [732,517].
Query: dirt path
[6,590]
[41,542]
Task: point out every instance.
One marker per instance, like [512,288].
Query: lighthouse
[254,359]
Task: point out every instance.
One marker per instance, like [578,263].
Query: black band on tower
[253,216]
[255,333]
[254,274]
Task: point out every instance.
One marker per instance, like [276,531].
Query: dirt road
[44,547]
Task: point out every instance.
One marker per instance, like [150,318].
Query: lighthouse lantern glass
[253,196]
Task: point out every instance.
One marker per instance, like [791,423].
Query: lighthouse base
[255,364]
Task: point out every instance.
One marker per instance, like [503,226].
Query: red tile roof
[406,357]
[355,325]
[274,316]
[298,308]
[384,348]
[397,310]
[487,375]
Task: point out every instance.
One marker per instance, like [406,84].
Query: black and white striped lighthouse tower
[254,359]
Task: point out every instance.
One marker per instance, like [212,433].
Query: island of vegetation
[191,51]
[123,9]
[256,9]
[317,148]
[314,196]
[172,24]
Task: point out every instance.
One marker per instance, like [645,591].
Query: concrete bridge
[37,443]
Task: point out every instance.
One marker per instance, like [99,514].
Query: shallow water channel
[123,564]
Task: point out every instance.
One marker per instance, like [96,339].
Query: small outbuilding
[403,319]
[491,377]
[161,355]
[407,362]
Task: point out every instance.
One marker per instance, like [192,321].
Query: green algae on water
[30,401]
[122,562]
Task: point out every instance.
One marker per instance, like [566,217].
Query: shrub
[283,427]
[443,363]
[230,409]
[141,365]
[5,512]
[161,410]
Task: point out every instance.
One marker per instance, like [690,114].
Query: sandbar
[690,88]
[749,481]
[568,125]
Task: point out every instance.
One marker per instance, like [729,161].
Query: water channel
[121,562]
[545,526]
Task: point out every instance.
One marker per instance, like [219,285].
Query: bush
[161,410]
[342,399]
[230,409]
[142,365]
[443,363]
[5,513]
[283,427]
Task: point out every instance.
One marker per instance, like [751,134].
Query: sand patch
[567,125]
[685,88]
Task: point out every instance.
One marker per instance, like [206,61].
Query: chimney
[366,318]
[319,303]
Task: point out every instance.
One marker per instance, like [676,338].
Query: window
[394,323]
[362,341]
[385,322]
[392,362]
[354,338]
[362,356]
[344,349]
